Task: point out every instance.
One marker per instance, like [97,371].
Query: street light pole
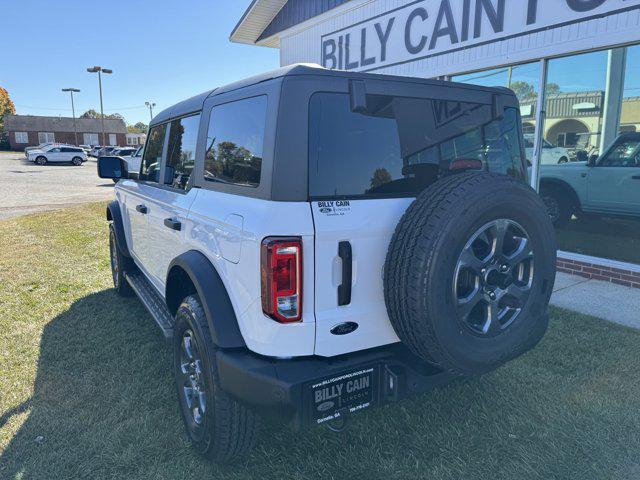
[150,105]
[100,71]
[73,111]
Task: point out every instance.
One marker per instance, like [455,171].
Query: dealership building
[574,65]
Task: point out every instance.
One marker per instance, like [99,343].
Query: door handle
[142,209]
[344,289]
[636,177]
[173,224]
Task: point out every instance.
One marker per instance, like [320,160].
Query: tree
[139,127]
[380,177]
[93,114]
[553,88]
[523,90]
[6,108]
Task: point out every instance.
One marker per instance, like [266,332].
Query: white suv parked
[58,153]
[317,242]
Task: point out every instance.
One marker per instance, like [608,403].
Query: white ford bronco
[315,243]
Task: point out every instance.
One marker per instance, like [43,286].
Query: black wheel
[119,265]
[563,159]
[218,426]
[557,204]
[77,161]
[469,272]
[41,160]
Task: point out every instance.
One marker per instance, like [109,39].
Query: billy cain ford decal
[346,393]
[334,207]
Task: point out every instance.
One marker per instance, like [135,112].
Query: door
[365,169]
[54,155]
[139,196]
[613,185]
[169,209]
[112,139]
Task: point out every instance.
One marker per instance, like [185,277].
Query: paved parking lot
[28,188]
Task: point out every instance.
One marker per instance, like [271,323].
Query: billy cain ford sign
[426,28]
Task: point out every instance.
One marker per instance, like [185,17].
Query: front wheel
[219,427]
[41,160]
[563,159]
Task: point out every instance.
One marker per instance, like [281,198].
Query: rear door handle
[636,177]
[142,209]
[344,289]
[173,224]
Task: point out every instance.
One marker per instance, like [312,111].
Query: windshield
[400,145]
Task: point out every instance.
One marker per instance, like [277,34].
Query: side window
[625,154]
[234,142]
[150,169]
[183,136]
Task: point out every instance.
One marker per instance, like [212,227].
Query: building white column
[540,117]
[614,90]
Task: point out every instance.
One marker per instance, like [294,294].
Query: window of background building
[46,137]
[234,142]
[90,138]
[183,136]
[22,137]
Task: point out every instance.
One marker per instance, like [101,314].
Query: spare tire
[469,272]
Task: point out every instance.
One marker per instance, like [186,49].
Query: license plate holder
[348,392]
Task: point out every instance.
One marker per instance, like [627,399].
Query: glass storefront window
[524,80]
[589,171]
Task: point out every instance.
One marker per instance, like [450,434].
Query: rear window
[400,145]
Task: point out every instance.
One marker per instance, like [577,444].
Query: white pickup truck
[316,243]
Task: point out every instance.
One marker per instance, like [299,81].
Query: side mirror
[112,167]
[592,160]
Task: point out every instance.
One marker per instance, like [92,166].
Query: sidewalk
[605,300]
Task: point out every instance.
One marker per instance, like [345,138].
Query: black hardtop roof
[196,102]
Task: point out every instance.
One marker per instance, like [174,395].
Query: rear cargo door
[369,156]
[352,237]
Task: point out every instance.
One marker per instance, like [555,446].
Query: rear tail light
[281,276]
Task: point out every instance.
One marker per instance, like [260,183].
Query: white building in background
[575,65]
[136,139]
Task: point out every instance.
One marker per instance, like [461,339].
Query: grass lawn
[86,391]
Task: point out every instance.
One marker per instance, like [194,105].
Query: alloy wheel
[493,277]
[191,383]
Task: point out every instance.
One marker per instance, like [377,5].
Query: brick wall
[619,276]
[61,137]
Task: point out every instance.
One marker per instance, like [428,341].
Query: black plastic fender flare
[114,215]
[216,303]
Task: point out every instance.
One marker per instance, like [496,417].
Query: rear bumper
[285,388]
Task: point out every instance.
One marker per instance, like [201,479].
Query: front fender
[114,215]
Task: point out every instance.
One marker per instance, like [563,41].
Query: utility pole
[73,111]
[150,105]
[100,71]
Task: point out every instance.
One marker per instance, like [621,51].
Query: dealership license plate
[345,393]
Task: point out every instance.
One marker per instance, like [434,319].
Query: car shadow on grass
[103,406]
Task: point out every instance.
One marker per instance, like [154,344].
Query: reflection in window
[235,141]
[401,145]
[183,136]
[150,169]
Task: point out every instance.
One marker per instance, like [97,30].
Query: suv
[602,186]
[317,242]
[57,154]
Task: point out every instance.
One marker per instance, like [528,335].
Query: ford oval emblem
[323,407]
[344,328]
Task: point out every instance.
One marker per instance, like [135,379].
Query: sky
[159,50]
